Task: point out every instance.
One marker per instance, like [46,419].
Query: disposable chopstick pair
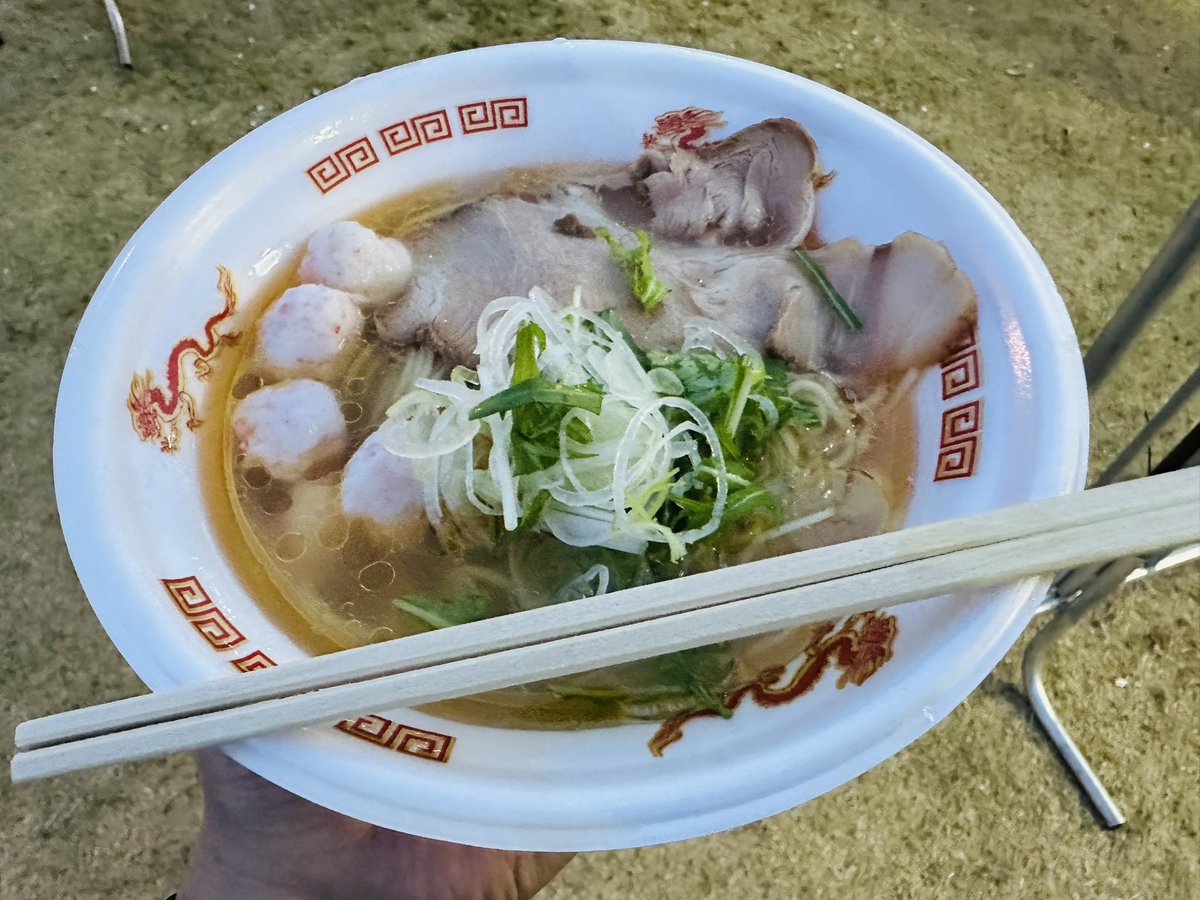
[782,592]
[592,614]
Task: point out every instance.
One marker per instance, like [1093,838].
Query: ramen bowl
[1001,421]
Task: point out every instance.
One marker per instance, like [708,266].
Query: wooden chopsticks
[830,582]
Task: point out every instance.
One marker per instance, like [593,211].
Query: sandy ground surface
[1081,117]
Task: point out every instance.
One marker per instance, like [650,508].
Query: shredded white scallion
[615,467]
[796,524]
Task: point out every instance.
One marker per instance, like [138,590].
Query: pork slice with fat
[756,187]
[914,302]
[501,247]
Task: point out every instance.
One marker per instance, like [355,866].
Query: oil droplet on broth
[382,633]
[290,546]
[275,500]
[356,387]
[376,576]
[256,477]
[351,412]
[334,532]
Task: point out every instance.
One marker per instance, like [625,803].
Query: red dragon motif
[681,128]
[859,648]
[156,413]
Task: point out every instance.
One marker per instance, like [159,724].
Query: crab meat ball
[350,257]
[381,487]
[290,428]
[309,331]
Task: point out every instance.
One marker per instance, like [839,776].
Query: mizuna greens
[567,427]
[635,457]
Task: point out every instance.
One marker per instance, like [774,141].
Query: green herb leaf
[835,300]
[531,340]
[805,414]
[444,613]
[700,672]
[580,432]
[708,380]
[750,373]
[533,512]
[747,501]
[538,408]
[538,390]
[613,319]
[635,262]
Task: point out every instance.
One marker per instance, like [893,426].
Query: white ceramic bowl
[1003,422]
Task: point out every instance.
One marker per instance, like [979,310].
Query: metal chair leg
[1075,594]
[118,30]
[1165,272]
[1156,424]
[1102,587]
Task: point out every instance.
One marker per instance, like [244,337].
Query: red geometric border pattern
[962,426]
[477,116]
[253,661]
[433,126]
[962,429]
[341,164]
[199,609]
[399,137]
[416,131]
[961,421]
[488,115]
[962,370]
[961,374]
[511,112]
[957,460]
[402,738]
[409,133]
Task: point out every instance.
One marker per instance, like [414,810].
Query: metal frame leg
[1111,578]
[1078,592]
[1165,272]
[1156,424]
[1095,585]
[118,29]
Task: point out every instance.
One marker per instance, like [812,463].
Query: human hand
[259,841]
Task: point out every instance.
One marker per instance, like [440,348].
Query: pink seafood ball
[353,258]
[290,428]
[380,486]
[309,330]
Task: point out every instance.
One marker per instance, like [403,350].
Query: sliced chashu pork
[502,246]
[914,302]
[754,188]
[709,207]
